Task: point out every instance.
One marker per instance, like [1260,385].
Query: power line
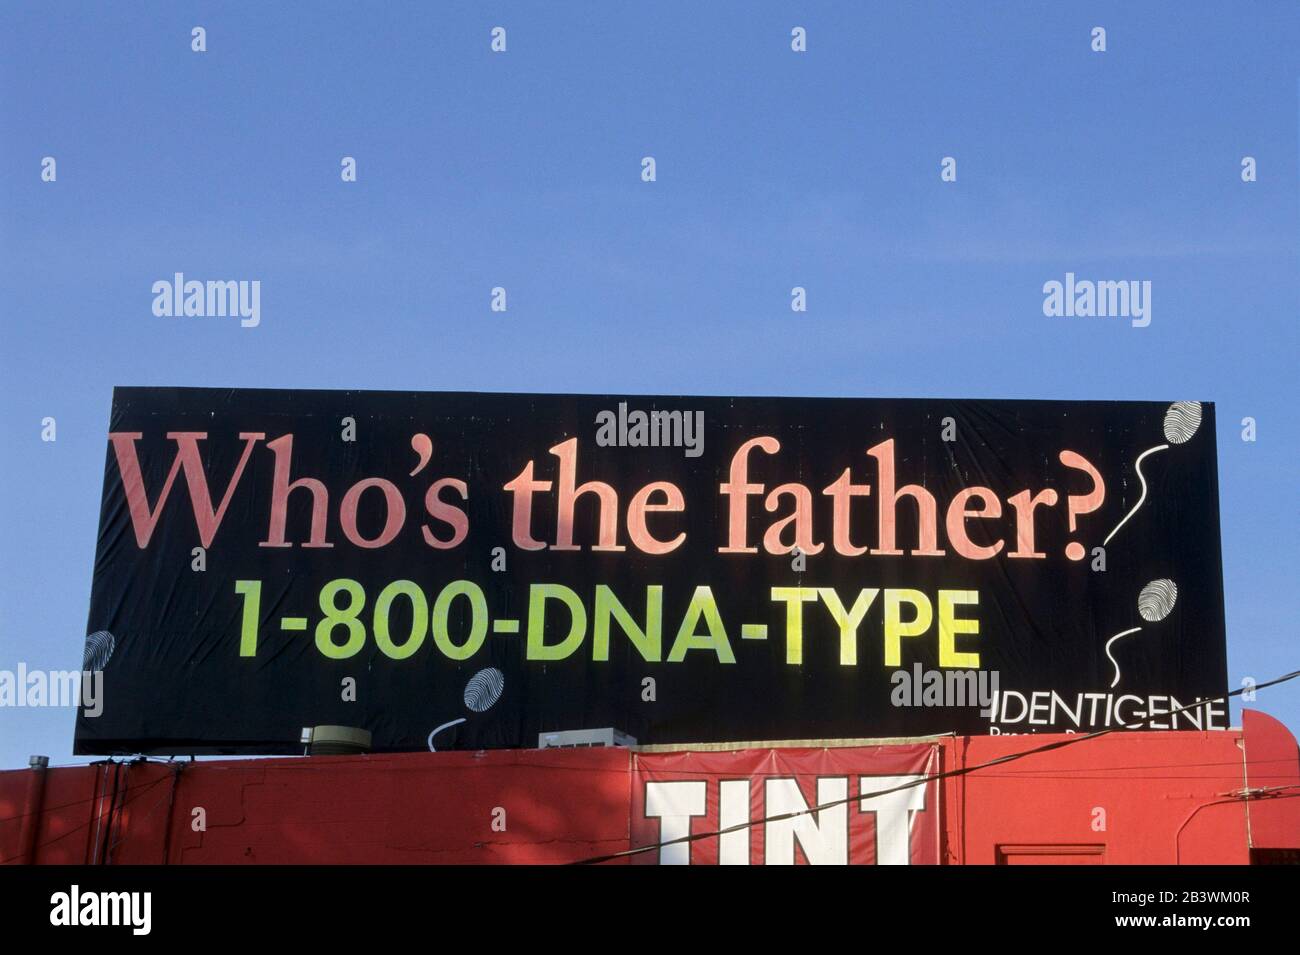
[1010,757]
[97,818]
[920,781]
[97,796]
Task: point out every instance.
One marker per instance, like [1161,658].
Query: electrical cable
[920,781]
[77,828]
[78,802]
[144,786]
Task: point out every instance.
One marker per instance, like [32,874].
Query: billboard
[461,570]
[871,807]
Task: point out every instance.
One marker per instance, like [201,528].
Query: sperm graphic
[439,729]
[1142,497]
[1181,421]
[481,694]
[1155,602]
[1109,643]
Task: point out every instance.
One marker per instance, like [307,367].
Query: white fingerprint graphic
[1155,602]
[484,689]
[99,647]
[1181,421]
[1157,599]
[481,694]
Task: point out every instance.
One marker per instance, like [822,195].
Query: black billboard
[462,570]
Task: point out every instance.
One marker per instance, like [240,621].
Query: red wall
[1124,798]
[413,807]
[1133,799]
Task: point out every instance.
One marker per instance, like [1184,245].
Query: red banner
[755,792]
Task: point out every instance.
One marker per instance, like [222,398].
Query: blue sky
[522,170]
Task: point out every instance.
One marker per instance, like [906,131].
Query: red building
[1128,797]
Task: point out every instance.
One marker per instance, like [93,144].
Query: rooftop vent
[335,740]
[572,739]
